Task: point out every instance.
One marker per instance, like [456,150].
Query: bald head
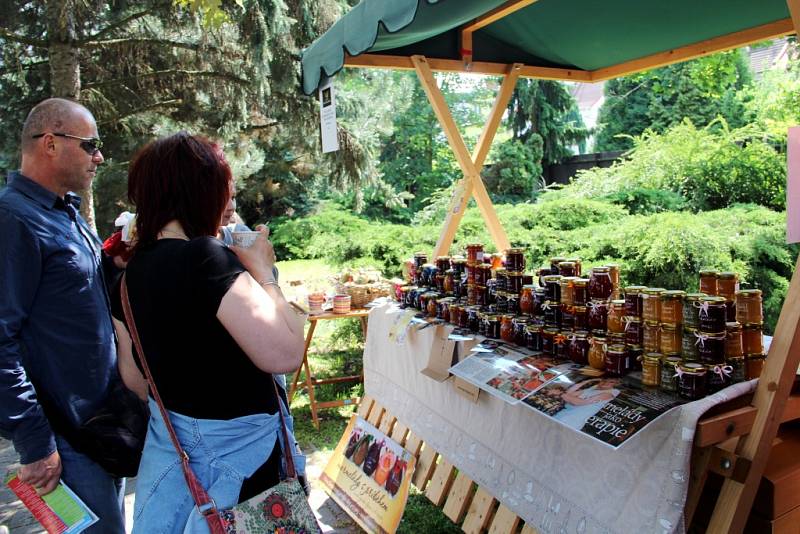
[51,115]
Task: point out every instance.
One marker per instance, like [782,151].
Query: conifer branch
[22,39]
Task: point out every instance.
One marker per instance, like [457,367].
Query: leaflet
[59,512]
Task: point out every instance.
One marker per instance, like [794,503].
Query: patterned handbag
[281,509]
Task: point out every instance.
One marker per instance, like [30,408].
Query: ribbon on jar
[678,373]
[594,305]
[703,308]
[546,305]
[628,320]
[559,339]
[724,371]
[701,339]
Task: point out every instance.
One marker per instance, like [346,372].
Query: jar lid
[603,269]
[618,302]
[728,276]
[580,281]
[613,266]
[694,296]
[668,326]
[632,319]
[533,328]
[568,263]
[515,251]
[500,272]
[442,258]
[635,348]
[671,360]
[673,355]
[551,330]
[616,347]
[738,358]
[507,317]
[599,334]
[557,259]
[511,296]
[732,326]
[540,291]
[652,324]
[709,272]
[579,309]
[552,278]
[748,293]
[673,294]
[692,368]
[652,357]
[474,245]
[420,254]
[529,286]
[582,334]
[755,356]
[491,317]
[753,326]
[574,260]
[635,289]
[711,299]
[654,291]
[514,273]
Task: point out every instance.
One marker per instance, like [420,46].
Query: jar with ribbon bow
[692,380]
[719,377]
[710,347]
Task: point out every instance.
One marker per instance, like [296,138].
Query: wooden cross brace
[471,184]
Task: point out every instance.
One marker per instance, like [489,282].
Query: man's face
[77,168]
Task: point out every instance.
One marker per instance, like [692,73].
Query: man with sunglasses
[56,335]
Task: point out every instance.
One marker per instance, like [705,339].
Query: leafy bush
[516,169]
[642,201]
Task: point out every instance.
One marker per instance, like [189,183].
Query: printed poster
[369,476]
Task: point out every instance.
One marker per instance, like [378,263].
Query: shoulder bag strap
[288,446]
[205,504]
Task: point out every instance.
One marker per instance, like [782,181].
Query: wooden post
[772,393]
[471,184]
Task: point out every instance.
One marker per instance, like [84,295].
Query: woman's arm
[130,374]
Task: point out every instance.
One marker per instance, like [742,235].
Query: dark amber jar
[431,304]
[597,314]
[567,318]
[483,273]
[552,284]
[475,252]
[443,308]
[501,279]
[634,332]
[533,337]
[561,345]
[515,259]
[635,353]
[615,338]
[581,317]
[633,300]
[711,347]
[463,316]
[513,303]
[455,311]
[473,319]
[520,324]
[548,341]
[449,281]
[692,381]
[443,263]
[727,285]
[577,262]
[600,285]
[481,296]
[755,365]
[526,300]
[567,268]
[554,264]
[617,363]
[459,264]
[514,282]
[718,377]
[708,282]
[712,314]
[501,302]
[507,328]
[579,347]
[539,299]
[669,380]
[492,326]
[733,340]
[689,344]
[749,309]
[580,291]
[672,306]
[752,339]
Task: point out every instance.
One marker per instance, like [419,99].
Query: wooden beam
[496,115]
[794,11]
[379,61]
[772,30]
[484,20]
[772,393]
[490,216]
[455,212]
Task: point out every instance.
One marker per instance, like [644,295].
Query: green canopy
[576,35]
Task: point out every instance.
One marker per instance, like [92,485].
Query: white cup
[244,239]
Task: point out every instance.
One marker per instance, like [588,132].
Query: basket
[362,294]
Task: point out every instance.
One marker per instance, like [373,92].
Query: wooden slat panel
[440,483]
[425,465]
[376,414]
[387,422]
[399,433]
[365,407]
[479,513]
[459,498]
[413,444]
[505,521]
[738,423]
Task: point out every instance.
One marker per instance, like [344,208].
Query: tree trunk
[65,72]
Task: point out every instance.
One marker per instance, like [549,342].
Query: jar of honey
[449,281]
[567,290]
[579,347]
[752,339]
[614,319]
[651,337]
[691,310]
[692,381]
[711,347]
[597,352]
[552,284]
[515,259]
[669,373]
[733,340]
[580,291]
[533,337]
[712,314]
[507,328]
[577,262]
[600,284]
[617,363]
[633,300]
[651,303]
[432,304]
[581,317]
[670,339]
[651,369]
[554,263]
[727,285]
[597,313]
[738,368]
[749,309]
[708,282]
[755,365]
[526,300]
[689,349]
[567,268]
[672,306]
[634,332]
[613,272]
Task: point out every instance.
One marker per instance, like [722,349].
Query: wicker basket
[362,294]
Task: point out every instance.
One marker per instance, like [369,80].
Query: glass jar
[691,310]
[472,295]
[472,267]
[443,308]
[449,281]
[561,345]
[459,264]
[520,324]
[475,252]
[600,285]
[738,368]
[483,324]
[483,273]
[533,337]
[501,302]
[672,306]
[567,318]
[669,372]
[552,284]
[651,303]
[689,348]
[539,300]
[614,318]
[581,317]
[473,319]
[512,303]
[463,316]
[670,339]
[597,314]
[651,369]
[501,279]
[711,347]
[727,285]
[580,291]
[514,282]
[752,339]
[633,300]
[567,268]
[567,290]
[730,311]
[597,352]
[548,341]
[651,336]
[718,377]
[579,347]
[526,300]
[481,296]
[712,314]
[634,332]
[443,263]
[492,326]
[615,338]
[635,353]
[515,259]
[495,260]
[431,304]
[613,272]
[733,340]
[617,363]
[692,381]
[749,309]
[755,365]
[507,328]
[554,262]
[577,262]
[708,282]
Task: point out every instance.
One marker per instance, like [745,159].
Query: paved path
[14,515]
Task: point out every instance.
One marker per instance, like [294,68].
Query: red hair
[181,177]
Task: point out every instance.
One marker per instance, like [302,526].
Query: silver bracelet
[270,283]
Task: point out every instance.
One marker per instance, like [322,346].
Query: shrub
[642,201]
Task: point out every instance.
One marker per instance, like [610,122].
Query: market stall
[581,41]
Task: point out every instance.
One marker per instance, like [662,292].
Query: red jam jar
[617,363]
[600,284]
[579,347]
[692,380]
[475,252]
[711,347]
[598,311]
[526,299]
[515,259]
[708,282]
[633,301]
[580,291]
[507,328]
[712,314]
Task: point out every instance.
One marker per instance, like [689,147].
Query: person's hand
[42,474]
[259,258]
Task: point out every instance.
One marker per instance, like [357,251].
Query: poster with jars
[369,475]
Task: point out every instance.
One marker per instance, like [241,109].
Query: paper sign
[441,355]
[327,117]
[59,512]
[793,186]
[369,476]
[465,389]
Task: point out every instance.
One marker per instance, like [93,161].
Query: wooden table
[310,382]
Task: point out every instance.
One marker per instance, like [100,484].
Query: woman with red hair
[214,326]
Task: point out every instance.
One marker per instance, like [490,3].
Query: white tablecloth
[553,477]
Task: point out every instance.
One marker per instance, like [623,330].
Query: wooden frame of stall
[735,444]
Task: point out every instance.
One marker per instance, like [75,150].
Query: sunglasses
[90,145]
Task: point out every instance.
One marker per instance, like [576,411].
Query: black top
[175,288]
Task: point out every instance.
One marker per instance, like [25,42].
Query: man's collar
[36,192]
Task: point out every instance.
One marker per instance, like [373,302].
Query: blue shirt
[56,333]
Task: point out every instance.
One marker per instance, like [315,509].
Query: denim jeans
[100,491]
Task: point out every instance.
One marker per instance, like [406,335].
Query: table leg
[293,388]
[310,388]
[364,327]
